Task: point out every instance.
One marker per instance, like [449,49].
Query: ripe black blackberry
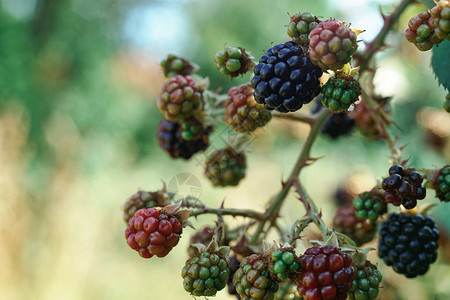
[339,124]
[408,243]
[285,78]
[403,187]
[171,140]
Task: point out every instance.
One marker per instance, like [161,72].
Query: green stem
[302,161]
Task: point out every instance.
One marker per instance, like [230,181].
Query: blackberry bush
[285,78]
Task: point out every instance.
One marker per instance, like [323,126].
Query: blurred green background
[78,118]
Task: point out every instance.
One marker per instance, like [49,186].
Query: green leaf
[440,62]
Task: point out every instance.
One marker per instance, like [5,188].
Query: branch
[228,211]
[299,117]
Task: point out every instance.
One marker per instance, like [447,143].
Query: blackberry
[252,280]
[144,199]
[225,167]
[340,92]
[370,205]
[328,274]
[300,27]
[421,32]
[173,65]
[361,231]
[206,273]
[366,284]
[181,97]
[337,125]
[331,45]
[403,187]
[170,139]
[408,243]
[285,78]
[285,264]
[442,184]
[243,113]
[440,19]
[234,61]
[233,266]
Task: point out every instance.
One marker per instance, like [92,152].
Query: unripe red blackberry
[234,61]
[408,243]
[328,274]
[300,27]
[285,264]
[440,19]
[180,98]
[225,167]
[367,282]
[361,231]
[156,230]
[421,32]
[442,184]
[285,78]
[243,113]
[173,65]
[253,281]
[331,45]
[144,199]
[403,187]
[170,139]
[370,205]
[206,273]
[340,92]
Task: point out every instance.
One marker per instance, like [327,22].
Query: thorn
[381,13]
[223,203]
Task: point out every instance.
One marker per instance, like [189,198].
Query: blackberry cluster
[170,139]
[370,205]
[252,280]
[440,16]
[421,32]
[243,113]
[340,92]
[284,264]
[153,232]
[173,65]
[366,284]
[233,61]
[144,199]
[403,187]
[408,243]
[337,125]
[181,96]
[225,167]
[332,44]
[328,274]
[300,27]
[361,231]
[205,274]
[442,184]
[285,78]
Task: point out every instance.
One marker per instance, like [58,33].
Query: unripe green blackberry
[180,98]
[285,264]
[440,16]
[225,167]
[206,273]
[191,129]
[366,284]
[442,184]
[370,205]
[243,113]
[234,61]
[332,44]
[173,65]
[300,27]
[340,92]
[144,199]
[421,32]
[253,281]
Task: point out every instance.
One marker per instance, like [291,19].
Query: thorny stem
[228,211]
[302,161]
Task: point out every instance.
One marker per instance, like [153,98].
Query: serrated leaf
[440,62]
